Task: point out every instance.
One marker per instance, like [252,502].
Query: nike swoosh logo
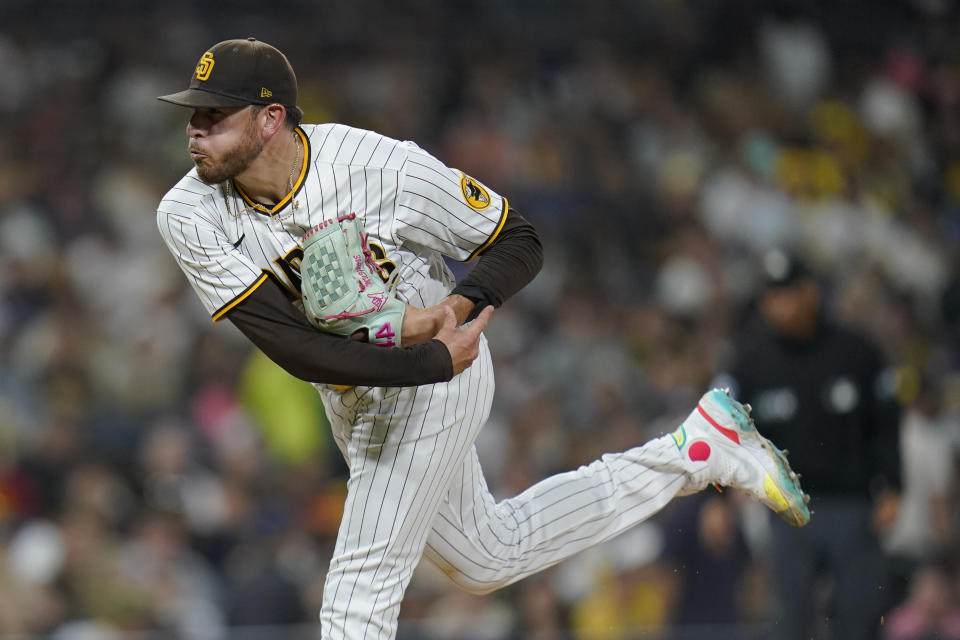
[730,433]
[236,244]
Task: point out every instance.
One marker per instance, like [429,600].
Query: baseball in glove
[344,290]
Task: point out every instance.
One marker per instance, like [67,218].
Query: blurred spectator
[540,614]
[33,560]
[266,583]
[931,611]
[705,548]
[624,592]
[173,480]
[923,530]
[181,592]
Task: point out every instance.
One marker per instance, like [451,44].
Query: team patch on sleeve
[474,193]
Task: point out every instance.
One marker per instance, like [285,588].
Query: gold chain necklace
[228,190]
[295,204]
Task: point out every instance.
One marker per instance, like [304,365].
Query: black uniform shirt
[829,400]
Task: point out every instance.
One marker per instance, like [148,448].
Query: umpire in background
[823,392]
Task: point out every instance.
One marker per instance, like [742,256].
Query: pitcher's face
[223,142]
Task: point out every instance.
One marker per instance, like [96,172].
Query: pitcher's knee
[479,584]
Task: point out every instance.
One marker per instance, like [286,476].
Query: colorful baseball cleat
[721,434]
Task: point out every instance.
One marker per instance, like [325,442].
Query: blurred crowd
[158,478]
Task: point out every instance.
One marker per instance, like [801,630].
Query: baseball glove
[344,290]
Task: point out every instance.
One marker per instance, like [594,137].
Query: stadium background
[160,480]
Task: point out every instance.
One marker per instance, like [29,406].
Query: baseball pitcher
[324,245]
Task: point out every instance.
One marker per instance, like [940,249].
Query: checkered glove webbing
[344,290]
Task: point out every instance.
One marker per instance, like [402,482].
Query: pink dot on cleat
[698,451]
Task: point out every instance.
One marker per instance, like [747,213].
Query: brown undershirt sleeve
[506,266]
[282,332]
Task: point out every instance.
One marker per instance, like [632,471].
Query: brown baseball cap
[236,73]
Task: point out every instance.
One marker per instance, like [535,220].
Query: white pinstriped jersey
[414,207]
[416,488]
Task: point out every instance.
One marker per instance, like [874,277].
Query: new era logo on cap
[245,68]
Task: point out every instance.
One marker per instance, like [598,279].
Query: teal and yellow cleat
[721,434]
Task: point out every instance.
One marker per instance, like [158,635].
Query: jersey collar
[297,185]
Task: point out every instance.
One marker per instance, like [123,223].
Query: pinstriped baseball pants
[416,489]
